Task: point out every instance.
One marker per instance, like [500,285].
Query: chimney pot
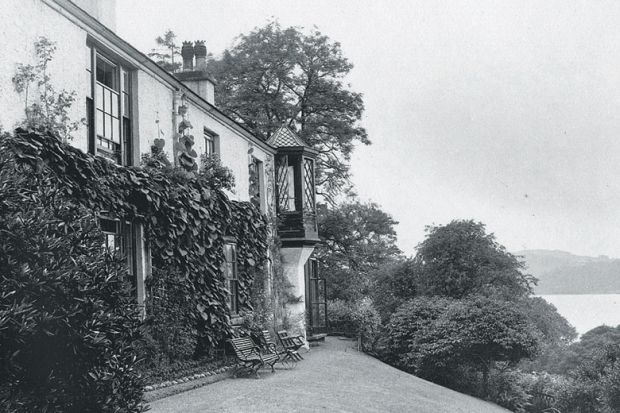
[201,55]
[187,51]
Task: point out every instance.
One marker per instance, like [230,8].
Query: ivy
[186,216]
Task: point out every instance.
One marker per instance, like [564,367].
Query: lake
[586,311]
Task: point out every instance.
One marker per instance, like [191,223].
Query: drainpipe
[176,96]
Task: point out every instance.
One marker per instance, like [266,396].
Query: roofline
[100,32]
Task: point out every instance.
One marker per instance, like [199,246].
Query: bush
[510,389]
[359,318]
[169,333]
[434,337]
[68,320]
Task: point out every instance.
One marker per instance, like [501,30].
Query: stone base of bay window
[293,261]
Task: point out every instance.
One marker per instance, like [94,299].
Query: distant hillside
[560,272]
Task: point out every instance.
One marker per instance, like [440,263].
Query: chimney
[196,77]
[187,51]
[201,55]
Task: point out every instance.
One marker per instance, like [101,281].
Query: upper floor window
[211,142]
[109,110]
[231,276]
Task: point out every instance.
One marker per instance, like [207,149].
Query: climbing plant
[185,216]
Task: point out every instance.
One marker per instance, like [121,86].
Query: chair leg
[256,368]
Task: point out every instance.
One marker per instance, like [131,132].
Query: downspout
[176,94]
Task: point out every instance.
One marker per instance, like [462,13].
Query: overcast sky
[504,112]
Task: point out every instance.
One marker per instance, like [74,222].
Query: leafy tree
[586,349]
[554,328]
[437,337]
[273,76]
[356,239]
[393,284]
[460,258]
[167,49]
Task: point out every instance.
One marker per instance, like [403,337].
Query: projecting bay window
[109,110]
[231,276]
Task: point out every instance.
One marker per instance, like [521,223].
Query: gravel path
[334,377]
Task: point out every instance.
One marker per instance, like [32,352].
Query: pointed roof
[285,137]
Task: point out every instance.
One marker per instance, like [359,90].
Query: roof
[285,137]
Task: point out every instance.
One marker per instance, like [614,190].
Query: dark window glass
[232,279]
[106,73]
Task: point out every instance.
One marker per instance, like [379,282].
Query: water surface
[586,311]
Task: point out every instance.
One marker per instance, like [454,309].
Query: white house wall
[154,113]
[24,22]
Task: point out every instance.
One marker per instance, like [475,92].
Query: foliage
[68,323]
[511,389]
[460,258]
[185,218]
[554,328]
[356,239]
[212,170]
[432,337]
[50,107]
[359,318]
[182,368]
[394,284]
[595,382]
[273,76]
[170,333]
[167,49]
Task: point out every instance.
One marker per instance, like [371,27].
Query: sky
[505,112]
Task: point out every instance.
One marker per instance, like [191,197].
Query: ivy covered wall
[185,215]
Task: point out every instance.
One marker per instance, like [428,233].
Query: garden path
[334,377]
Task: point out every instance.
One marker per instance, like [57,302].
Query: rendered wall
[102,10]
[293,261]
[24,22]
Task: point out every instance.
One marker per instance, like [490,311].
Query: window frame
[116,146]
[231,277]
[256,189]
[212,142]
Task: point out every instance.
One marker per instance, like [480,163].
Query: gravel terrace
[334,377]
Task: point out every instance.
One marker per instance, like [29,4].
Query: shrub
[68,322]
[433,337]
[359,318]
[169,332]
[510,389]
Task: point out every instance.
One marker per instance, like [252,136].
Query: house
[128,104]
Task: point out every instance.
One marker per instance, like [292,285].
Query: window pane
[108,126]
[291,188]
[106,100]
[114,99]
[116,136]
[100,123]
[106,73]
[99,96]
